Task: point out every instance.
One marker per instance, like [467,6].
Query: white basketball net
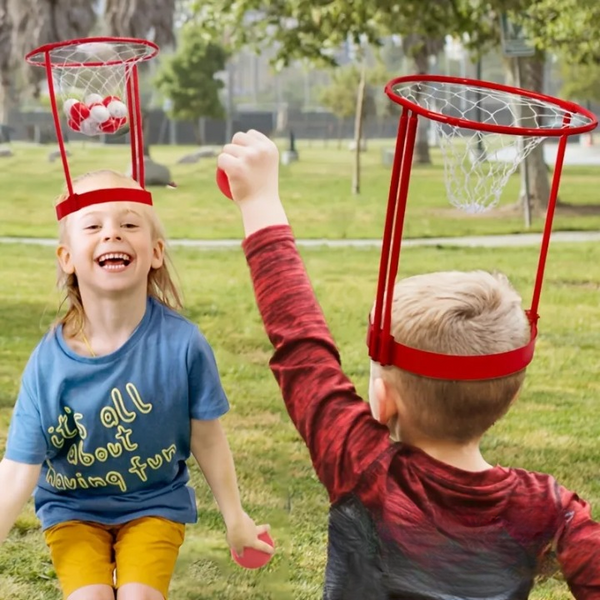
[478,164]
[90,83]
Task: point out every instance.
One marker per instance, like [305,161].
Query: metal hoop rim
[571,107]
[44,50]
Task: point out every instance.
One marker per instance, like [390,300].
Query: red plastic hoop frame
[74,201]
[570,107]
[47,48]
[381,345]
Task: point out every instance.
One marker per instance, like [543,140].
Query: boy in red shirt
[424,517]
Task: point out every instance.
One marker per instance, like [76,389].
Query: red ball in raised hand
[223,183]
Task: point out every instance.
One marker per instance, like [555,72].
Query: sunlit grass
[316,190]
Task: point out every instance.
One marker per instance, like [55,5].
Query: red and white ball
[96,115]
[99,113]
[112,125]
[76,112]
[116,108]
[68,105]
[90,127]
[93,99]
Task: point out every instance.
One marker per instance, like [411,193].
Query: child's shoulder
[44,356]
[48,345]
[535,484]
[531,477]
[176,324]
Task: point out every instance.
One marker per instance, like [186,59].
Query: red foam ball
[74,125]
[79,112]
[112,125]
[110,99]
[254,559]
[223,183]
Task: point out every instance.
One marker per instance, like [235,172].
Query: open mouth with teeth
[114,261]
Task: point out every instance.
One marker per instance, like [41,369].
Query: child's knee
[93,592]
[138,591]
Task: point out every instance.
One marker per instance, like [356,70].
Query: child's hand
[244,534]
[251,163]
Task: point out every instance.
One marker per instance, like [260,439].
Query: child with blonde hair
[113,401]
[423,517]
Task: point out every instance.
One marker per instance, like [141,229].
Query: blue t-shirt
[113,433]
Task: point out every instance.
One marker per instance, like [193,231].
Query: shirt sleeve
[336,425]
[206,395]
[578,547]
[26,441]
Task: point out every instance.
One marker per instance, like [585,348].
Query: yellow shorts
[142,551]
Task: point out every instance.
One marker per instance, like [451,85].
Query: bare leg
[94,592]
[138,591]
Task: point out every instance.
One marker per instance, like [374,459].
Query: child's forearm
[213,455]
[263,212]
[17,482]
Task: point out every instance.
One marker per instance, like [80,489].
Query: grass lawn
[553,427]
[316,189]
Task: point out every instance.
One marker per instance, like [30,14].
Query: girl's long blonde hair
[161,284]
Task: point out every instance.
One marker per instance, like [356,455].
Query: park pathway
[485,241]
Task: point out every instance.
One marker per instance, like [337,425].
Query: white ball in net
[93,99]
[97,50]
[99,113]
[117,109]
[68,105]
[90,127]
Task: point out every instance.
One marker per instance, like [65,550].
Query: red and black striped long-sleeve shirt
[402,524]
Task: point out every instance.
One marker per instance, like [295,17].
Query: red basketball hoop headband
[95,81]
[485,130]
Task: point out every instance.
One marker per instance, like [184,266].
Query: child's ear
[385,401]
[64,259]
[158,254]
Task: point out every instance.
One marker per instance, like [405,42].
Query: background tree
[339,96]
[564,27]
[581,82]
[188,80]
[569,27]
[298,29]
[27,24]
[420,48]
[5,61]
[141,19]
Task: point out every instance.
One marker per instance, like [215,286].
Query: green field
[552,428]
[316,189]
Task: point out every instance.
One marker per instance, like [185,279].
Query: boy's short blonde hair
[161,284]
[474,313]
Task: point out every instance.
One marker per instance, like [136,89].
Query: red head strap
[77,201]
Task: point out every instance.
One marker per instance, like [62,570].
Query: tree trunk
[5,62]
[422,155]
[197,131]
[140,19]
[5,99]
[358,125]
[146,134]
[532,78]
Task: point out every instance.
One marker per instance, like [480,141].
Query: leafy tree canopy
[188,80]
